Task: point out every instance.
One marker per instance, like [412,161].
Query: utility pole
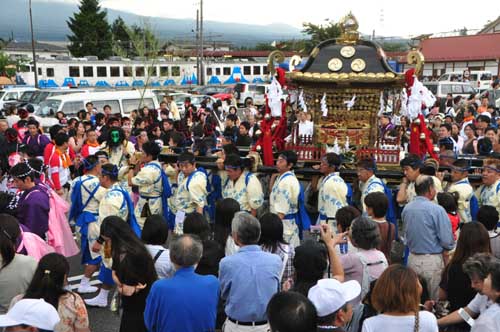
[33,48]
[198,44]
[201,78]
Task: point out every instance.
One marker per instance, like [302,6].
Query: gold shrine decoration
[275,57]
[417,58]
[349,28]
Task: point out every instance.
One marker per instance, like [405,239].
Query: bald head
[186,250]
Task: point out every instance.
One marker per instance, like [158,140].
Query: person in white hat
[30,315]
[331,299]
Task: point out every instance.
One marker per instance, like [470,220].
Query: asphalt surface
[101,319]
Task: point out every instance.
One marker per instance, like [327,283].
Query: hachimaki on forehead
[332,160]
[289,156]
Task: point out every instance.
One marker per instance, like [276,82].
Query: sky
[386,17]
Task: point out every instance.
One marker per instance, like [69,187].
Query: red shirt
[455,220]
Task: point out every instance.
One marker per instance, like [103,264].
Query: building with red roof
[458,53]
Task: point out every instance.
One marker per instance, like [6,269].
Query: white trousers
[233,327]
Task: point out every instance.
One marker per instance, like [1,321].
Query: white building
[23,50]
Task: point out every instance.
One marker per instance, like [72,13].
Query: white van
[441,89]
[13,94]
[122,102]
[480,79]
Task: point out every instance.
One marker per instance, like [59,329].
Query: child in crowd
[449,201]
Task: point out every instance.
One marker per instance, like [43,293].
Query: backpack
[367,278]
[166,193]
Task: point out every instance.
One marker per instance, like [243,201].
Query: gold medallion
[347,51]
[335,64]
[358,65]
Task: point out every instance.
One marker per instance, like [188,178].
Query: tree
[122,45]
[319,33]
[91,31]
[394,47]
[7,65]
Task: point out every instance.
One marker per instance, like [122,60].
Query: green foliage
[7,65]
[319,33]
[395,47]
[129,42]
[91,31]
[122,46]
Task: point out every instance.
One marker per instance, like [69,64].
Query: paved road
[101,319]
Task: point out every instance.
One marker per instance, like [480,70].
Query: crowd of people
[178,247]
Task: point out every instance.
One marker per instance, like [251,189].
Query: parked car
[226,94]
[479,79]
[36,97]
[120,101]
[245,92]
[208,90]
[13,94]
[441,89]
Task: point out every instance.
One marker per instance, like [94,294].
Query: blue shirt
[248,280]
[427,227]
[187,302]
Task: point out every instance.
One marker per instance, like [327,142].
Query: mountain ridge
[49,21]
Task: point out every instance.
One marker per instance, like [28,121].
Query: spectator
[154,235]
[188,301]
[291,312]
[488,193]
[48,284]
[411,169]
[344,218]
[428,234]
[449,203]
[77,139]
[470,139]
[16,271]
[243,138]
[376,207]
[311,258]
[35,140]
[30,315]
[397,297]
[224,212]
[231,130]
[477,269]
[368,263]
[271,240]
[488,216]
[133,271]
[196,224]
[489,321]
[310,264]
[249,278]
[455,286]
[91,145]
[332,300]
